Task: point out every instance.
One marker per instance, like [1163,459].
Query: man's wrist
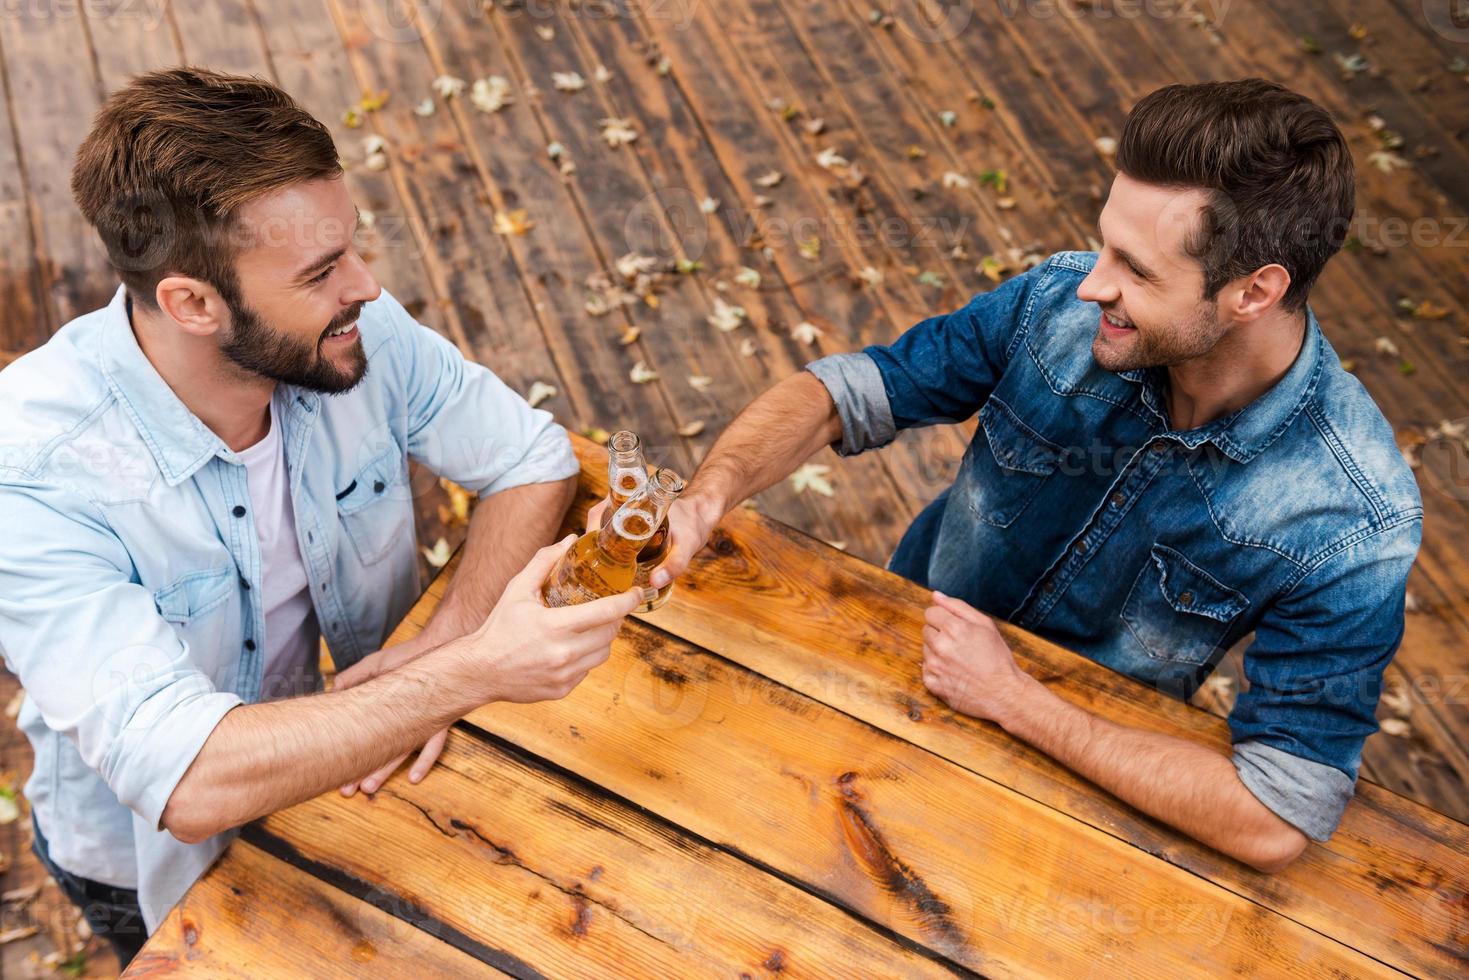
[1026,702]
[708,503]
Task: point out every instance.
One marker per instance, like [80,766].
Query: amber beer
[604,561]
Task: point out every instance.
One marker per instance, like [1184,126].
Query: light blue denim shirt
[130,571]
[1080,514]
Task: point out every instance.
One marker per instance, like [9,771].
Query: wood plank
[47,107]
[509,854]
[223,35]
[28,317]
[254,915]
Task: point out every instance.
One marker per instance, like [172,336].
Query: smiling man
[1169,457]
[204,478]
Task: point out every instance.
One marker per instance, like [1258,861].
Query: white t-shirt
[291,633]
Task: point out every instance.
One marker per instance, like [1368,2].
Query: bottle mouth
[624,441]
[666,479]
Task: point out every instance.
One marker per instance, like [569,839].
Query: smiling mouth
[341,331]
[1115,325]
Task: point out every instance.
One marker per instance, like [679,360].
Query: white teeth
[341,330]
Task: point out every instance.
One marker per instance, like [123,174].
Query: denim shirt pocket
[1178,612]
[1005,478]
[193,595]
[371,507]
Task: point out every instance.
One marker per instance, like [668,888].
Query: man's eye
[322,275]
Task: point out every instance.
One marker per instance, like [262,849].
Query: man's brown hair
[1278,172]
[171,159]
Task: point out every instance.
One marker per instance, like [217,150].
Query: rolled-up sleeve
[855,385]
[92,652]
[465,424]
[1315,676]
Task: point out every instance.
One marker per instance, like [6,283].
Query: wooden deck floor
[979,131]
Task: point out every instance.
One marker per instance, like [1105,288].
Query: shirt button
[1186,598]
[1118,499]
[1082,547]
[1049,587]
[250,645]
[1159,446]
[379,487]
[239,511]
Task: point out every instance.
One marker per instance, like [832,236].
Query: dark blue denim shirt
[1079,514]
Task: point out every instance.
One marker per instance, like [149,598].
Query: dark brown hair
[1278,172]
[173,156]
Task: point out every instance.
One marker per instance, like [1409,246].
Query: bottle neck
[617,546]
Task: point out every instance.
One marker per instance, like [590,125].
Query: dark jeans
[112,912]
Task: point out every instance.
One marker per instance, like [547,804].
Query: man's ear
[192,303]
[1258,293]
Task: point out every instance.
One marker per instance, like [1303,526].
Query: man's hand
[691,519]
[966,663]
[542,654]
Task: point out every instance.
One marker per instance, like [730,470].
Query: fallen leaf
[997,178]
[814,126]
[515,222]
[1396,727]
[630,336]
[993,267]
[748,277]
[869,275]
[809,247]
[688,266]
[1386,161]
[545,32]
[953,180]
[491,94]
[352,118]
[948,117]
[770,179]
[709,205]
[929,278]
[691,429]
[916,153]
[726,315]
[459,501]
[568,81]
[1386,347]
[426,107]
[829,158]
[664,66]
[1004,203]
[641,374]
[13,708]
[599,436]
[812,476]
[618,131]
[373,101]
[539,392]
[438,556]
[700,382]
[747,347]
[806,332]
[1106,146]
[448,86]
[601,76]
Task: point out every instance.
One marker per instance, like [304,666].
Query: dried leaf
[438,556]
[953,180]
[630,336]
[809,247]
[568,81]
[916,152]
[770,179]
[641,374]
[1106,146]
[1386,347]
[709,205]
[601,75]
[448,86]
[13,708]
[490,94]
[352,118]
[814,126]
[812,476]
[688,266]
[748,277]
[805,332]
[829,158]
[700,382]
[726,315]
[618,131]
[870,275]
[515,222]
[1386,161]
[664,66]
[691,429]
[997,178]
[539,392]
[930,278]
[597,435]
[373,101]
[993,267]
[459,501]
[545,32]
[747,347]
[1396,727]
[948,117]
[426,107]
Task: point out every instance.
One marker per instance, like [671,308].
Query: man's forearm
[1188,786]
[773,435]
[263,757]
[505,530]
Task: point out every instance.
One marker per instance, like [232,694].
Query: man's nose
[361,285]
[1096,288]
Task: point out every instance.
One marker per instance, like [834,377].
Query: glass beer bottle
[627,473]
[604,561]
[652,556]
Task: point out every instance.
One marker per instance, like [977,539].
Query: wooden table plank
[254,915]
[552,871]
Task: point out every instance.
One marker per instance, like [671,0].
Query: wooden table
[757,783]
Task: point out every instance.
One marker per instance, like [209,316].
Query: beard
[1148,347]
[255,347]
